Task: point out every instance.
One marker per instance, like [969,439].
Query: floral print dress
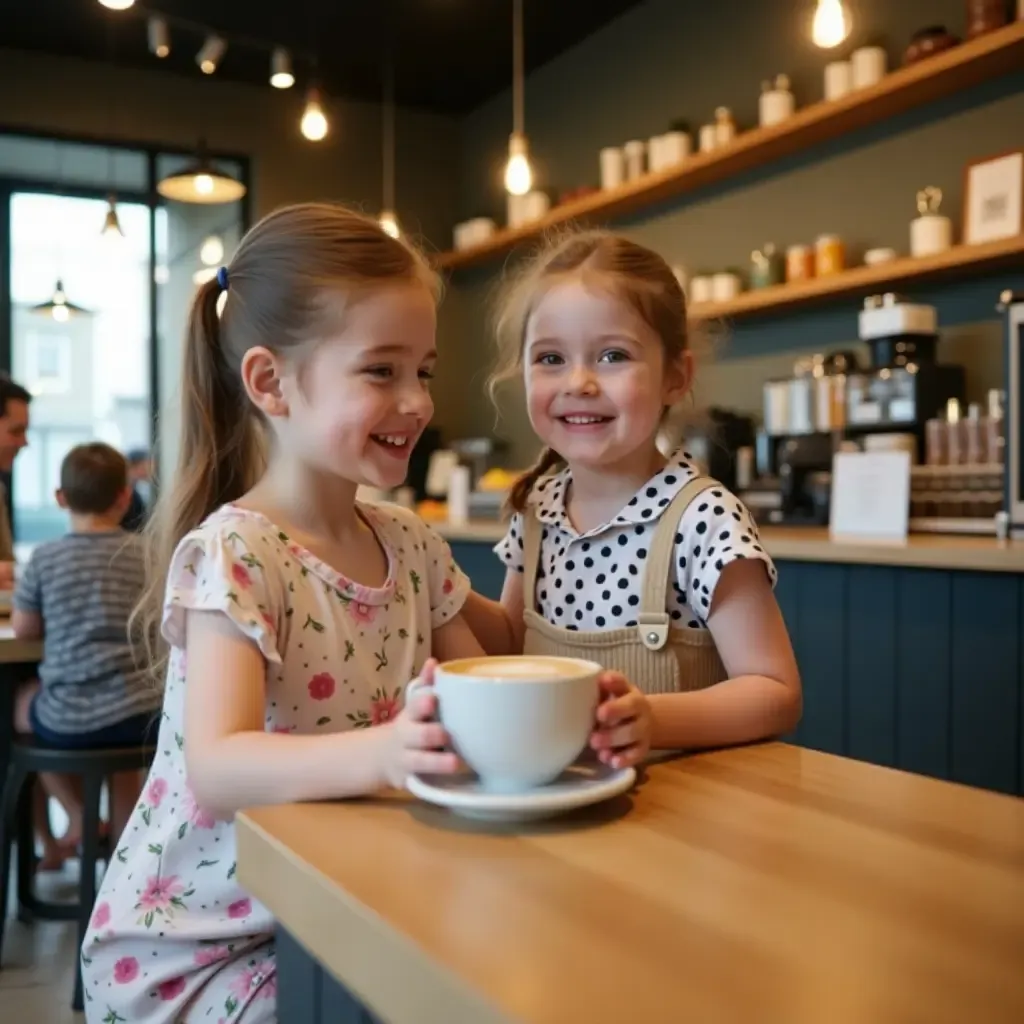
[173,936]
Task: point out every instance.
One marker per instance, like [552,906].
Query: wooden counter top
[813,544]
[767,884]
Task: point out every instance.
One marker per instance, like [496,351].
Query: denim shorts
[136,731]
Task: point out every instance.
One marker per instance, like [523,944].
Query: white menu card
[870,495]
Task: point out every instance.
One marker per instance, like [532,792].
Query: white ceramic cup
[517,721]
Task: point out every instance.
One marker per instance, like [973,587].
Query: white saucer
[578,786]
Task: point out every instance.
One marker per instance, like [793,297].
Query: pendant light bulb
[117,5]
[112,230]
[314,121]
[389,222]
[831,24]
[281,76]
[518,172]
[59,304]
[200,182]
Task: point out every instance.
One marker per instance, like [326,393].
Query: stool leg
[13,786]
[91,789]
[26,839]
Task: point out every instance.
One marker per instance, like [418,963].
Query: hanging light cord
[517,67]
[388,136]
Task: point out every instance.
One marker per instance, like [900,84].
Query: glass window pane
[192,242]
[72,163]
[88,373]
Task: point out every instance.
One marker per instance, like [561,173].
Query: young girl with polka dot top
[615,552]
[295,615]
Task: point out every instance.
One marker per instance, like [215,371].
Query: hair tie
[222,278]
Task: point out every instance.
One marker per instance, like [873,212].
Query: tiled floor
[37,972]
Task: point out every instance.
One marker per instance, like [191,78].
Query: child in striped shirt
[77,594]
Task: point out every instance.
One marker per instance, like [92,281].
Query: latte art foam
[516,669]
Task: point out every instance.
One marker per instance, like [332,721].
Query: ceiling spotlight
[281,76]
[314,120]
[210,54]
[159,38]
[117,5]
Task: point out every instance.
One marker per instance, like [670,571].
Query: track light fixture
[281,75]
[210,54]
[159,37]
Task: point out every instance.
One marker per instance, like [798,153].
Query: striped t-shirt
[85,586]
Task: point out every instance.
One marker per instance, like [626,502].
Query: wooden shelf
[989,56]
[961,260]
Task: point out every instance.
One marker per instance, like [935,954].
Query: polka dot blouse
[594,580]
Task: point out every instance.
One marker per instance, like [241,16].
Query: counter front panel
[903,666]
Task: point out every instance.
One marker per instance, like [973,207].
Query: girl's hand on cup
[623,734]
[415,742]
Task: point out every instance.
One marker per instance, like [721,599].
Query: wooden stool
[31,757]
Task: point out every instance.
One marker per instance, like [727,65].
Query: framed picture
[994,198]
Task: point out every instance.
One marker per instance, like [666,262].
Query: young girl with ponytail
[294,615]
[614,552]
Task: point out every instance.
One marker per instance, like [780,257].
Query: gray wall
[79,98]
[680,58]
[82,99]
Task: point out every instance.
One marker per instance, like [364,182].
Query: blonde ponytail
[282,292]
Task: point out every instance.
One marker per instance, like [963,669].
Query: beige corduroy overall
[654,655]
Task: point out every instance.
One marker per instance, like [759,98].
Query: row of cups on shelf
[621,164]
[520,210]
[770,266]
[930,234]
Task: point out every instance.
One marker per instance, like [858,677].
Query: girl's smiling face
[597,380]
[356,406]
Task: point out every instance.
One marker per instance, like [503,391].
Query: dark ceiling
[449,55]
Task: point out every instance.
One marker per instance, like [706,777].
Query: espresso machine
[831,402]
[905,386]
[717,444]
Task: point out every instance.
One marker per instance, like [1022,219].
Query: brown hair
[636,274]
[92,478]
[283,289]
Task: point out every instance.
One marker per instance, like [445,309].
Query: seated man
[78,593]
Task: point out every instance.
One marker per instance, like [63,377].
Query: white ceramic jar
[930,234]
[868,66]
[838,79]
[675,147]
[725,286]
[635,151]
[613,167]
[774,106]
[700,289]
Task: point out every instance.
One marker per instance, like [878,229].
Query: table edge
[429,992]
